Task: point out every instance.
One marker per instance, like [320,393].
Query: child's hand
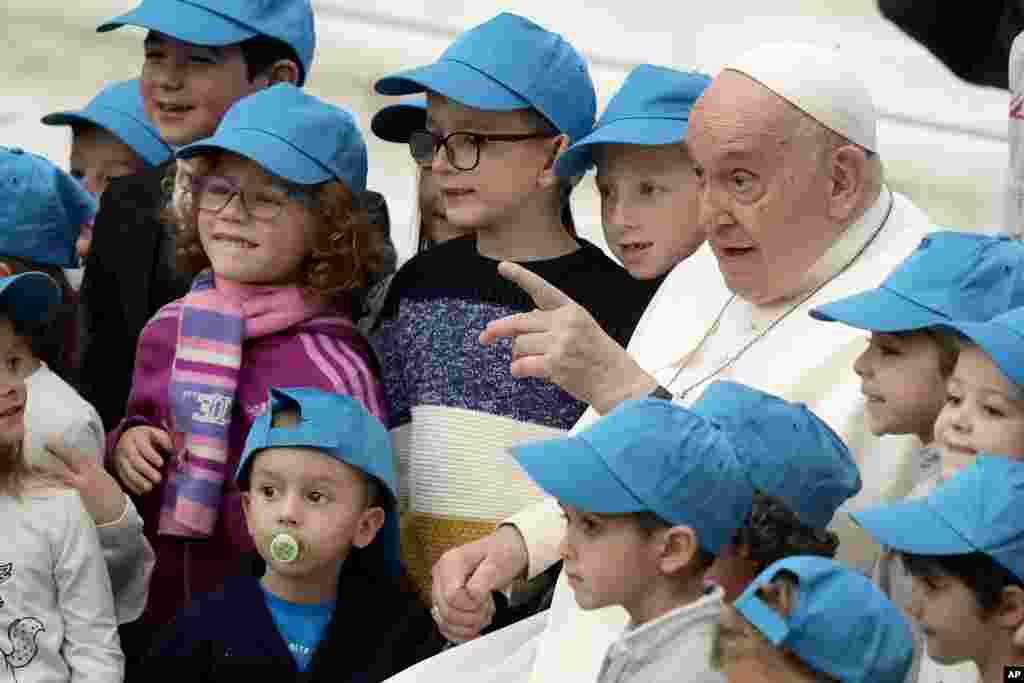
[101,494]
[137,459]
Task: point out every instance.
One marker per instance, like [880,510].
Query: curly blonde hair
[349,249]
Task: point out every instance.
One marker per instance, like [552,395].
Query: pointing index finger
[545,295]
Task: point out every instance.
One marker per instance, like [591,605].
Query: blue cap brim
[397,122]
[183,21]
[270,152]
[912,527]
[126,129]
[879,310]
[572,471]
[633,131]
[998,341]
[457,82]
[29,297]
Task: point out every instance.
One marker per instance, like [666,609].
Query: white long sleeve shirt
[57,622]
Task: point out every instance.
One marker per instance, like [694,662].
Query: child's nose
[290,512]
[862,365]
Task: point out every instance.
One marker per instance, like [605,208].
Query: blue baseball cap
[336,424]
[950,276]
[42,209]
[977,510]
[217,23]
[395,123]
[293,135]
[787,451]
[648,455]
[118,109]
[1002,338]
[841,624]
[29,297]
[651,108]
[509,63]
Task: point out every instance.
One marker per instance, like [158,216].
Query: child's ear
[1010,611]
[370,523]
[247,509]
[780,594]
[548,177]
[283,71]
[679,548]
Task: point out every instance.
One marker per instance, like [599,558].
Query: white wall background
[943,142]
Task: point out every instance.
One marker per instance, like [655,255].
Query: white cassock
[791,355]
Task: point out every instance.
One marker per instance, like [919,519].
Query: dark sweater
[129,276]
[442,299]
[378,629]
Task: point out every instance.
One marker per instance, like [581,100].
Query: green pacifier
[285,548]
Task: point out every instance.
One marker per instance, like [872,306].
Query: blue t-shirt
[301,625]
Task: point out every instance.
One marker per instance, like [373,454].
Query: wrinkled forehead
[737,115]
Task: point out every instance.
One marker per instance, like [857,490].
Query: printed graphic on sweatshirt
[22,647]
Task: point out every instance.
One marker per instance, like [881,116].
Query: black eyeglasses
[462,149]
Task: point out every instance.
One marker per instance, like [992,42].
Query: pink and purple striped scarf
[215,319]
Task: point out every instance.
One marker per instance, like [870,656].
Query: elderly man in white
[798,214]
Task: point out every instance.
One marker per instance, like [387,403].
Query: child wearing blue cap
[277,243]
[651,493]
[429,227]
[911,355]
[318,487]
[984,411]
[199,58]
[650,207]
[950,276]
[42,210]
[962,546]
[55,592]
[503,101]
[795,496]
[397,123]
[909,367]
[808,620]
[110,138]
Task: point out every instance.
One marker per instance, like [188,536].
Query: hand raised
[562,343]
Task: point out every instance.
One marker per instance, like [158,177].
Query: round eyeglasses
[462,149]
[263,203]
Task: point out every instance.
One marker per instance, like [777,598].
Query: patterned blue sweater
[442,299]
